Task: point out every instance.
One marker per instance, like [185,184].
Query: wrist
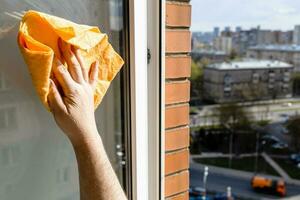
[85,138]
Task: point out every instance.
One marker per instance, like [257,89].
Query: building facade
[296,35]
[247,80]
[285,53]
[223,43]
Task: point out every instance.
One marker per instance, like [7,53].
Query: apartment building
[223,43]
[247,80]
[285,53]
[143,119]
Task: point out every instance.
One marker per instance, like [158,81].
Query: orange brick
[176,161]
[178,41]
[176,183]
[177,92]
[182,196]
[177,138]
[176,115]
[178,14]
[178,66]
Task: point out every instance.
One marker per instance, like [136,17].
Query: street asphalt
[218,181]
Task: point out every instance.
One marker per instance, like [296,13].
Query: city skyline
[270,14]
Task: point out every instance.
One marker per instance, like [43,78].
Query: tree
[234,115]
[293,126]
[249,92]
[197,80]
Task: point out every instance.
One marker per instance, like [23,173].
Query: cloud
[270,14]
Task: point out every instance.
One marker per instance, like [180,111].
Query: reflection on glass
[36,159]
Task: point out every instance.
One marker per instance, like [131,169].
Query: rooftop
[277,47]
[209,52]
[249,64]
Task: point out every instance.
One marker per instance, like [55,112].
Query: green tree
[293,126]
[196,80]
[233,115]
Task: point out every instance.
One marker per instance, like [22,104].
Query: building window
[8,119]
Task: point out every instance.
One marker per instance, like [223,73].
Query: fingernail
[96,63]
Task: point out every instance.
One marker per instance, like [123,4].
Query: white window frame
[147,100]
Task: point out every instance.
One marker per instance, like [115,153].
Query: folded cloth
[38,41]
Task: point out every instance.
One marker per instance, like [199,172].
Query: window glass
[36,159]
[245,105]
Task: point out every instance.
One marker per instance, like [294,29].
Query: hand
[73,105]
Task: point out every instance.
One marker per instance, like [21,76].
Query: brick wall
[177,95]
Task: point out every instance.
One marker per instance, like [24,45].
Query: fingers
[85,72]
[63,76]
[73,64]
[94,74]
[54,99]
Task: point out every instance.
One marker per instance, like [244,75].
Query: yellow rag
[38,41]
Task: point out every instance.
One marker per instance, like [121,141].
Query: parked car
[295,158]
[196,193]
[280,145]
[222,196]
[270,140]
[284,117]
[267,185]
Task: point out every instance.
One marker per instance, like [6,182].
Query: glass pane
[36,159]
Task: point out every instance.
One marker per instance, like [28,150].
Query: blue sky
[269,14]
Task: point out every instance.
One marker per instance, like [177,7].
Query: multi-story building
[247,80]
[223,43]
[212,55]
[296,35]
[266,37]
[284,53]
[216,32]
[243,39]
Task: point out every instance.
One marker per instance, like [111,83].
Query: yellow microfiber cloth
[38,41]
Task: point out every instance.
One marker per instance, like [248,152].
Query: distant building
[216,32]
[243,39]
[285,37]
[213,55]
[296,35]
[203,37]
[247,80]
[224,44]
[284,53]
[266,37]
[238,29]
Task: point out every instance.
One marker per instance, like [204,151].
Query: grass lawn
[289,167]
[244,164]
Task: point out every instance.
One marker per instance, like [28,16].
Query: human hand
[73,106]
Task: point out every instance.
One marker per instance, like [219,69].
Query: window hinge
[148,55]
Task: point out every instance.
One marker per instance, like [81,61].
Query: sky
[269,14]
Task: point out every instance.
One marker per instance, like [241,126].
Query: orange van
[268,185]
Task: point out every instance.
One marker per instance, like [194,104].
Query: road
[218,182]
[275,111]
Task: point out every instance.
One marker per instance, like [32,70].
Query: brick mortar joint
[176,195]
[170,130]
[178,29]
[180,2]
[176,172]
[176,127]
[176,151]
[176,81]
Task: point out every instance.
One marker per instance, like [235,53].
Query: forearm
[97,178]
